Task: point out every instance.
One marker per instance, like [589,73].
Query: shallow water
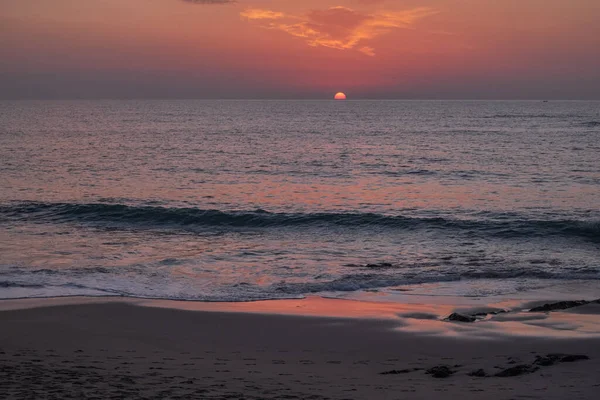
[244,200]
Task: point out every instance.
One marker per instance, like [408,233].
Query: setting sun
[340,96]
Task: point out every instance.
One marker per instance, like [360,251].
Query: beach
[315,348]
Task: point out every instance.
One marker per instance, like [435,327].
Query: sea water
[248,200]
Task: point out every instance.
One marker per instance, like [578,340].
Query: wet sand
[331,349]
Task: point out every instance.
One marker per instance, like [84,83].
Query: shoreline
[492,320]
[140,349]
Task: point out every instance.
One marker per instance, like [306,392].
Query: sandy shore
[332,349]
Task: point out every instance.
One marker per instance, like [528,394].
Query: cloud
[210,1]
[256,13]
[338,27]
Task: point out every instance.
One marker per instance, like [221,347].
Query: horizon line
[284,99]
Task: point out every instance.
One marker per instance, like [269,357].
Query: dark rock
[552,359]
[561,305]
[380,265]
[440,371]
[573,357]
[480,373]
[548,360]
[517,370]
[456,317]
[396,372]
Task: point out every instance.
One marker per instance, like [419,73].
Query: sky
[300,49]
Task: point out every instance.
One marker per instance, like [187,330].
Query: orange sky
[300,49]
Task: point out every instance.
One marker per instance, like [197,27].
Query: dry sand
[119,349]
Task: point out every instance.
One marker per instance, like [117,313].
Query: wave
[127,216]
[71,285]
[356,282]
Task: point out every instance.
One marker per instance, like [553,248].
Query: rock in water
[491,312]
[441,371]
[380,265]
[561,305]
[461,318]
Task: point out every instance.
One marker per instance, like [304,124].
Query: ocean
[249,200]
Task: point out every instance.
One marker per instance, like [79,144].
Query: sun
[340,96]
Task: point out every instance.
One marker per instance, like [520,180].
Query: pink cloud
[338,27]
